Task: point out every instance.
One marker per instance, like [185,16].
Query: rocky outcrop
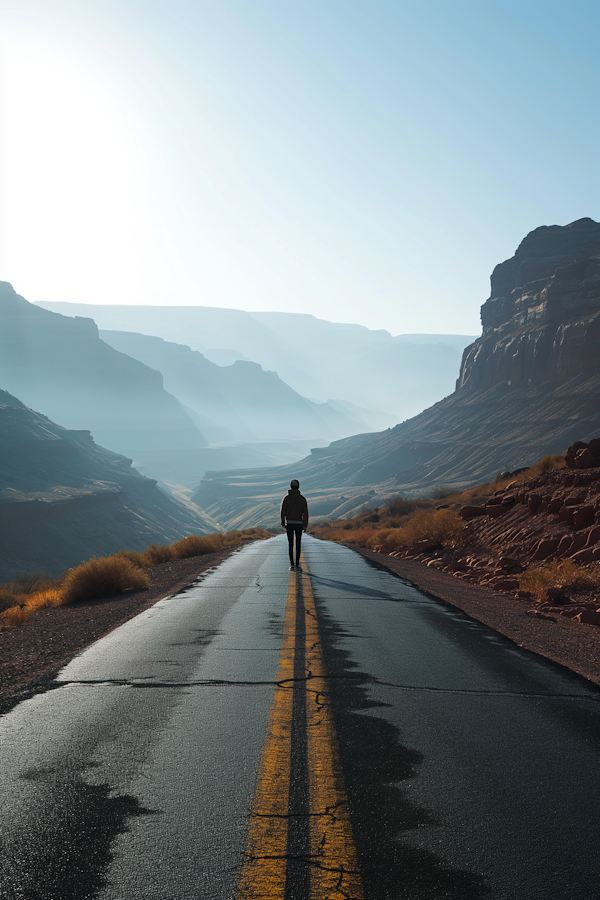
[541,324]
[530,385]
[552,517]
[64,499]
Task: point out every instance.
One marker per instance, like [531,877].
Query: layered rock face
[542,321]
[530,385]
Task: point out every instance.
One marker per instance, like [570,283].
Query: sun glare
[68,168]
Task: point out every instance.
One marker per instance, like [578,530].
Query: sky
[364,161]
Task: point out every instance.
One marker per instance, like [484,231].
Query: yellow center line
[334,870]
[264,868]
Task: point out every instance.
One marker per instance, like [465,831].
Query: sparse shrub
[7,599]
[441,492]
[197,545]
[401,506]
[107,576]
[156,554]
[15,615]
[545,464]
[103,577]
[564,574]
[425,529]
[133,556]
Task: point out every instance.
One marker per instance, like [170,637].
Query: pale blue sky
[362,161]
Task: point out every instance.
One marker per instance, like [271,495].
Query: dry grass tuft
[7,599]
[543,465]
[107,576]
[425,530]
[102,577]
[133,556]
[156,554]
[564,574]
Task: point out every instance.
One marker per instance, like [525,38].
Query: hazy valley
[215,432]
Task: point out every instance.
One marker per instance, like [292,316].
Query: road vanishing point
[329,734]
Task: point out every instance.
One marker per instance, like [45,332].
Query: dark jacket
[294,509]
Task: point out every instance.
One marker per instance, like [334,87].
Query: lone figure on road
[294,518]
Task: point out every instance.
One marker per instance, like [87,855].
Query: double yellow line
[329,859]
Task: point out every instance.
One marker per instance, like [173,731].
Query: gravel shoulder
[571,644]
[53,636]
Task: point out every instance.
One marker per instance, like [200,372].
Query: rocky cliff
[64,499]
[529,385]
[541,325]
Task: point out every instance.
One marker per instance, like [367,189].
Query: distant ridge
[530,385]
[243,401]
[398,376]
[59,366]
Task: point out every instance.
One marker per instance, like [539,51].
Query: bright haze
[365,162]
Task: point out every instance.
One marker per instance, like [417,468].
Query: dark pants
[291,531]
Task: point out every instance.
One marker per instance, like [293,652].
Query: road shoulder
[573,645]
[51,637]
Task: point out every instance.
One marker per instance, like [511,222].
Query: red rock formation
[542,321]
[554,516]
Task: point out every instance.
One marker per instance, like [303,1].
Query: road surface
[304,736]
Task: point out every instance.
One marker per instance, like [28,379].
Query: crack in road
[223,682]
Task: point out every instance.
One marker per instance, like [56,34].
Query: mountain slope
[59,365]
[530,385]
[63,498]
[242,399]
[325,360]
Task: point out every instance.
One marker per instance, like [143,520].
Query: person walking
[294,518]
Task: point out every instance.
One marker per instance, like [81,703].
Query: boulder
[564,545]
[545,548]
[583,556]
[577,544]
[594,446]
[566,515]
[572,452]
[534,501]
[584,459]
[589,617]
[555,505]
[469,512]
[593,536]
[510,566]
[556,596]
[497,510]
[583,516]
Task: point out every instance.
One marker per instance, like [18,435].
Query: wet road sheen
[305,736]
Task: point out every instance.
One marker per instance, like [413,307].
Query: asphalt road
[314,736]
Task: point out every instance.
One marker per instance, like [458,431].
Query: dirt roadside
[571,644]
[51,637]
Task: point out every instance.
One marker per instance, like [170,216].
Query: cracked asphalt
[328,734]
